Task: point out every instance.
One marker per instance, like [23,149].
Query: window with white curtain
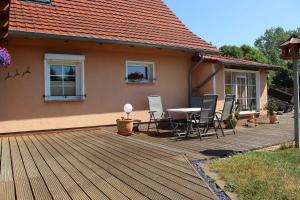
[244,85]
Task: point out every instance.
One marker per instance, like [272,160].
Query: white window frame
[257,75]
[141,64]
[50,57]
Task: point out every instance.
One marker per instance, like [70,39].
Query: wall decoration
[17,73]
[27,71]
[8,76]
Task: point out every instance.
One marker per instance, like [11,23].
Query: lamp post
[290,50]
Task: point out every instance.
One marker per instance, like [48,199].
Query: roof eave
[260,66]
[106,41]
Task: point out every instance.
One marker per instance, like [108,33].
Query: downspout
[201,54]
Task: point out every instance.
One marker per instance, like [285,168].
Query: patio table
[188,112]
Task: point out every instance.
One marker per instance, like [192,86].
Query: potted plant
[233,120]
[5,58]
[272,108]
[136,77]
[125,126]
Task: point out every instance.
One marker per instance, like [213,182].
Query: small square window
[64,77]
[139,72]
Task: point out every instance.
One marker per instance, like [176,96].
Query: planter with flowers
[136,77]
[5,58]
[125,126]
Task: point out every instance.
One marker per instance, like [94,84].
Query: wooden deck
[246,139]
[99,164]
[94,164]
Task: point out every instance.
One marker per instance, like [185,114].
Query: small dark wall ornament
[8,76]
[17,73]
[27,71]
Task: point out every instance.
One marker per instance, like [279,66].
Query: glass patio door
[241,92]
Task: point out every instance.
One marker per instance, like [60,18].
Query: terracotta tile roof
[229,61]
[144,22]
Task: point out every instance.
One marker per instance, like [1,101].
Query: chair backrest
[196,102]
[156,105]
[208,108]
[228,106]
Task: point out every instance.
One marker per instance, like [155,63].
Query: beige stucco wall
[22,107]
[263,91]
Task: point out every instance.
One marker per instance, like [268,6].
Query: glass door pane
[241,92]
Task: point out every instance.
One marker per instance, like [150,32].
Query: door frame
[258,88]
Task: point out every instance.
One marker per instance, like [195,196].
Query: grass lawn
[262,175]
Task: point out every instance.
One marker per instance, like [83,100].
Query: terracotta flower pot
[273,119]
[125,126]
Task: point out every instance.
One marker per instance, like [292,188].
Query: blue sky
[235,22]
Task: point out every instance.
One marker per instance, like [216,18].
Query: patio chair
[205,118]
[228,109]
[196,101]
[158,116]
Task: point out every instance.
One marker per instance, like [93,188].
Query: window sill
[248,112]
[62,99]
[142,82]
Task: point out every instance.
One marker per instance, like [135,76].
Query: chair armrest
[152,111]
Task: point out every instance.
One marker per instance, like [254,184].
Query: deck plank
[22,184]
[101,184]
[118,184]
[116,170]
[144,149]
[151,161]
[160,184]
[55,187]
[66,180]
[7,187]
[87,186]
[186,188]
[39,187]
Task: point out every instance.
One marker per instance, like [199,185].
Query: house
[85,59]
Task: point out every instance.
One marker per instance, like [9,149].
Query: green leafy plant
[237,115]
[234,120]
[271,107]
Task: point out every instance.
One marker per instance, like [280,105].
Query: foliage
[268,44]
[271,107]
[234,122]
[136,76]
[266,51]
[284,77]
[244,52]
[237,115]
[262,175]
[231,51]
[5,58]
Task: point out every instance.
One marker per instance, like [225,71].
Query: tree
[268,44]
[231,51]
[284,77]
[244,52]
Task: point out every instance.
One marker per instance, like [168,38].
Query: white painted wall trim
[64,57]
[140,63]
[80,85]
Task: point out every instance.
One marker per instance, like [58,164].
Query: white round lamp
[128,109]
